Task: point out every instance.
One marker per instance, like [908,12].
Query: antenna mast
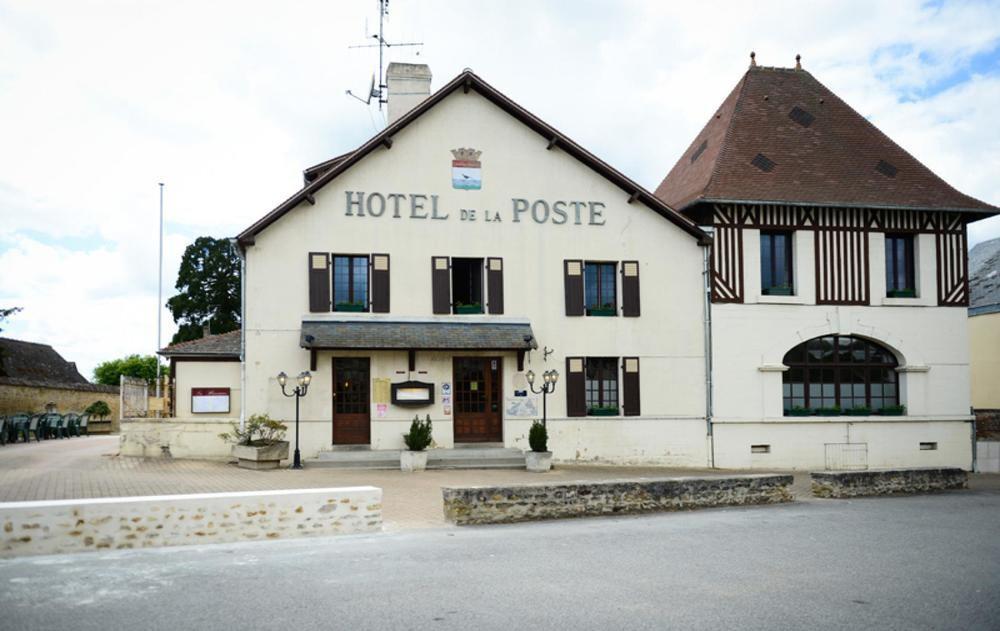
[378,90]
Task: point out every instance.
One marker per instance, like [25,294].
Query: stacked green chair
[33,428]
[82,424]
[55,426]
[3,430]
[70,421]
[17,423]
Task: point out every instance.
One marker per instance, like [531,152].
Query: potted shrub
[414,457]
[539,459]
[260,444]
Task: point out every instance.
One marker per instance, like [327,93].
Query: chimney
[206,328]
[408,85]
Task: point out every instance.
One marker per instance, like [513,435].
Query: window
[600,292]
[776,264]
[834,373]
[900,277]
[350,283]
[467,285]
[602,386]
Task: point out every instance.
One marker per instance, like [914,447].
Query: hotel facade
[792,296]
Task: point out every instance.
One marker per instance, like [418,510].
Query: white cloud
[227,101]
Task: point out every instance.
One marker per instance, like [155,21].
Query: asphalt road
[921,562]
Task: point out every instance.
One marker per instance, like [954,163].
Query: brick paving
[90,466]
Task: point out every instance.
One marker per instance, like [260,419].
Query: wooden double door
[478,399]
[352,401]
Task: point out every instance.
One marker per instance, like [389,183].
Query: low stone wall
[62,526]
[840,484]
[507,504]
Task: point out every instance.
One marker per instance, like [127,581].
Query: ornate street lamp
[549,379]
[300,391]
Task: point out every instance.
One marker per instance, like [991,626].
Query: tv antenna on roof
[378,90]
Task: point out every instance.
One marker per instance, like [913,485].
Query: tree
[208,283]
[6,313]
[109,373]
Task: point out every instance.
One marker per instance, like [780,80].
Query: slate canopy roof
[783,137]
[396,335]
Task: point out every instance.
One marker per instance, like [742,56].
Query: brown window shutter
[576,386]
[630,289]
[630,386]
[319,282]
[573,280]
[494,285]
[380,283]
[441,284]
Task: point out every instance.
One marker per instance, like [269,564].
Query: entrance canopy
[395,335]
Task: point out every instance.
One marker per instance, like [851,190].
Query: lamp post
[300,391]
[549,379]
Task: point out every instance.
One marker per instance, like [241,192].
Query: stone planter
[261,457]
[412,460]
[538,461]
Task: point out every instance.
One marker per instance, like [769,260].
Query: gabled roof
[219,345]
[467,81]
[311,173]
[37,363]
[809,146]
[984,278]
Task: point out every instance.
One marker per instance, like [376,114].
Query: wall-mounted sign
[210,400]
[412,393]
[466,169]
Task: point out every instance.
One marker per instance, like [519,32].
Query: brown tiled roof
[220,345]
[37,363]
[822,153]
[378,335]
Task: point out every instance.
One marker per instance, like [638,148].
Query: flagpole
[159,299]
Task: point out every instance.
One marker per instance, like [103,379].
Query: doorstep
[464,457]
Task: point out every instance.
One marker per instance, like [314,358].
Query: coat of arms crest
[466,169]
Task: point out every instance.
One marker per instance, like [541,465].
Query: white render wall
[751,339]
[668,336]
[206,374]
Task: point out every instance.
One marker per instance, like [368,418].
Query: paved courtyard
[91,467]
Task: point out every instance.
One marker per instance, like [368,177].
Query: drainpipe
[707,293]
[243,331]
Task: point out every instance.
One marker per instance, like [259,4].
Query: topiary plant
[419,436]
[99,409]
[538,437]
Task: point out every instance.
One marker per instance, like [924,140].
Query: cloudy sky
[226,102]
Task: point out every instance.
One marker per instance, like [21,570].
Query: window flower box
[798,411]
[469,309]
[607,410]
[834,411]
[893,410]
[783,290]
[606,310]
[901,293]
[350,306]
[859,411]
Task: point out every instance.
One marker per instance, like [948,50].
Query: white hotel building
[470,242]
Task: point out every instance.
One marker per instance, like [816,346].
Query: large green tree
[208,285]
[7,312]
[141,367]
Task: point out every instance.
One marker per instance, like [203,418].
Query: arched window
[840,371]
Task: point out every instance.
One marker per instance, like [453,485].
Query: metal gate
[134,398]
[846,456]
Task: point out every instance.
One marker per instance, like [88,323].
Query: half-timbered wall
[842,265]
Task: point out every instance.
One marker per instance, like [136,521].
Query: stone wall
[988,424]
[55,527]
[21,395]
[506,504]
[840,484]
